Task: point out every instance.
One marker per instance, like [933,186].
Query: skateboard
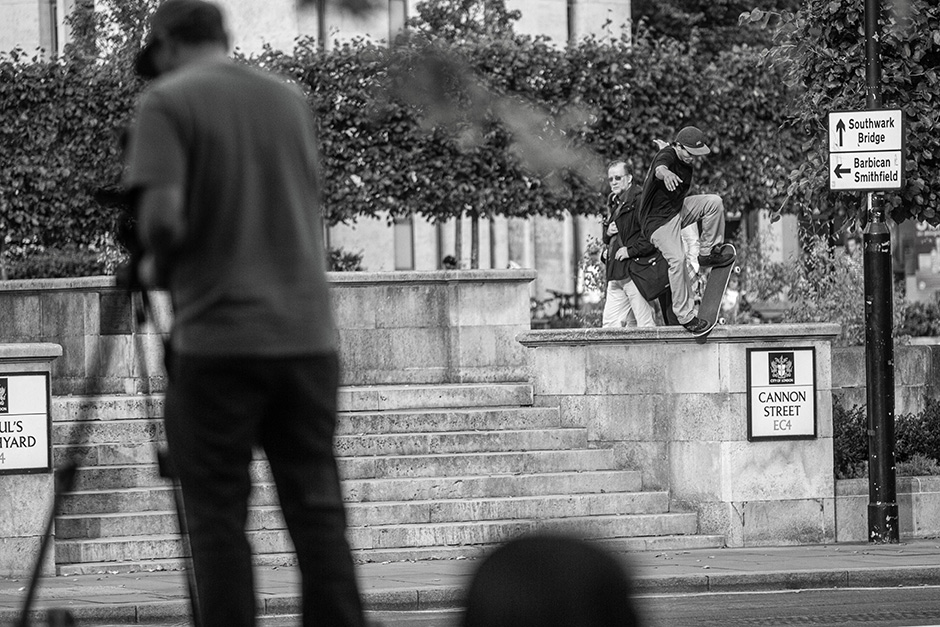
[717,281]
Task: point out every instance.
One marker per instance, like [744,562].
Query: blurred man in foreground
[225,163]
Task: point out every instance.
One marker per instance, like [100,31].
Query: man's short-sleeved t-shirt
[250,278]
[657,204]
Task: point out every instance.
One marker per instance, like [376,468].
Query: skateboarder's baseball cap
[693,140]
[188,21]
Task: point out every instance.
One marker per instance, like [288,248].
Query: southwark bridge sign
[866,150]
[781,393]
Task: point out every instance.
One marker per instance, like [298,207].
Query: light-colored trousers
[711,211]
[625,306]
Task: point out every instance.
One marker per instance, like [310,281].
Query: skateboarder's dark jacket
[622,210]
[658,205]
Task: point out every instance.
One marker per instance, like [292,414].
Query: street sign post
[883,518]
[866,150]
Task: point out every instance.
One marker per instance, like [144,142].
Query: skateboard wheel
[721,320]
[737,269]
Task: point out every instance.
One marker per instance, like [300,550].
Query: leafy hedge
[917,440]
[532,113]
[69,260]
[489,122]
[59,135]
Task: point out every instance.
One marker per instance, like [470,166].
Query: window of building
[49,27]
[397,16]
[404,236]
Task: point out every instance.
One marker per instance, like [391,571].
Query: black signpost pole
[882,490]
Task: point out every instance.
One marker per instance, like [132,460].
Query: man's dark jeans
[217,410]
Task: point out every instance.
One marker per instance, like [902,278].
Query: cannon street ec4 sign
[781,393]
[866,150]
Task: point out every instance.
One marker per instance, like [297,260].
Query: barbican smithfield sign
[866,150]
[781,394]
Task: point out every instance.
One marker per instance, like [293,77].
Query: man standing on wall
[225,162]
[666,208]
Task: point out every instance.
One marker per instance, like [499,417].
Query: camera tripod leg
[64,480]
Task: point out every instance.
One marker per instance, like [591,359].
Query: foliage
[111,254]
[849,439]
[591,269]
[762,280]
[442,124]
[111,30]
[513,125]
[59,135]
[342,260]
[462,20]
[922,319]
[61,128]
[823,285]
[39,263]
[821,50]
[917,440]
[919,433]
[918,466]
[830,287]
[712,23]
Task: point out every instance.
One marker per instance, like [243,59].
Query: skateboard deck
[709,309]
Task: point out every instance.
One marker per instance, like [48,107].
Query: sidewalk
[150,597]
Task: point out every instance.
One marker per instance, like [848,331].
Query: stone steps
[136,446]
[429,472]
[462,538]
[140,488]
[461,419]
[641,543]
[471,487]
[160,522]
[350,424]
[364,399]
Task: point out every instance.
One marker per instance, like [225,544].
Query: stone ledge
[365,278]
[45,285]
[432,276]
[723,334]
[904,485]
[30,351]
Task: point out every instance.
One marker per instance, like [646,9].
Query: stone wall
[394,327]
[676,410]
[455,326]
[25,495]
[918,501]
[916,374]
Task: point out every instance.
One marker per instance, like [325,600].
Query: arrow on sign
[841,128]
[839,171]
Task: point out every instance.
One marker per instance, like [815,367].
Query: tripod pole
[144,314]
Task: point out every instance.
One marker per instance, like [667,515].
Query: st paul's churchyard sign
[24,422]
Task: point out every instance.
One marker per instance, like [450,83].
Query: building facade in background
[34,25]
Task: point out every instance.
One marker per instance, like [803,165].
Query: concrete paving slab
[133,598]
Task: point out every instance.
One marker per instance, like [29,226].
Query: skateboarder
[666,207]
